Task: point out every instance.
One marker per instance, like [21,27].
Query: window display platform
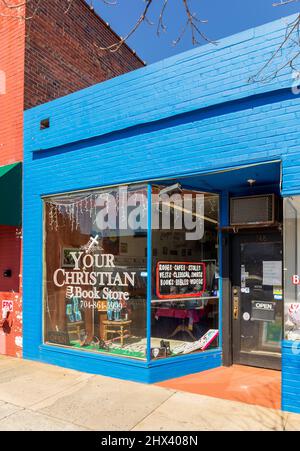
[136,348]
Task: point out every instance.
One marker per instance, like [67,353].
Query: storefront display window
[185,274]
[95,278]
[95,271]
[292,267]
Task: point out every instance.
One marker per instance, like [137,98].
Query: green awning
[11,194]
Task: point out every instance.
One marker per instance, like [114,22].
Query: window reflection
[185,297]
[95,279]
[292,267]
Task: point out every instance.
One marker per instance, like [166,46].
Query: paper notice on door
[244,276]
[272,273]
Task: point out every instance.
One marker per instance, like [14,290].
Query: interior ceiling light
[176,188]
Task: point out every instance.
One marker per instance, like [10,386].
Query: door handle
[236,303]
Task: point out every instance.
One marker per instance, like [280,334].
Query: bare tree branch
[192,21]
[290,46]
[161,25]
[284,2]
[291,41]
[116,46]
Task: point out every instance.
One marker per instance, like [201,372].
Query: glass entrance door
[257,299]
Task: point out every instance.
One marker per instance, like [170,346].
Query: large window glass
[185,274]
[95,271]
[292,267]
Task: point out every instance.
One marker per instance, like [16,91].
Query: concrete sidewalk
[35,396]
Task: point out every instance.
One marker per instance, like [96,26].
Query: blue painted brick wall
[291,377]
[195,112]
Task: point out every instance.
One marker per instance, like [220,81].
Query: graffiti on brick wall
[10,291]
[11,324]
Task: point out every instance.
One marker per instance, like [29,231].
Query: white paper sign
[272,273]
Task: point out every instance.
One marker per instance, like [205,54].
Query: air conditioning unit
[253,210]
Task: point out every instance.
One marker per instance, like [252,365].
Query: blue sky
[225,17]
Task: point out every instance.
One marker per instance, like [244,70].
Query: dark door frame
[227,304]
[226,300]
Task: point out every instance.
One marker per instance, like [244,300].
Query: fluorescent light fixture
[170,189]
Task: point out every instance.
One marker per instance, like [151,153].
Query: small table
[120,328]
[75,327]
[193,315]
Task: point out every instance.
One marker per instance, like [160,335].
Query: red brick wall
[62,51]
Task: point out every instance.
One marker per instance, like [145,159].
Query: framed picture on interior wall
[124,248]
[67,260]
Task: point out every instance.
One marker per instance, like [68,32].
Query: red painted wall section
[10,290]
[12,48]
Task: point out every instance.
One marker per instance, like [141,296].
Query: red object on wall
[10,290]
